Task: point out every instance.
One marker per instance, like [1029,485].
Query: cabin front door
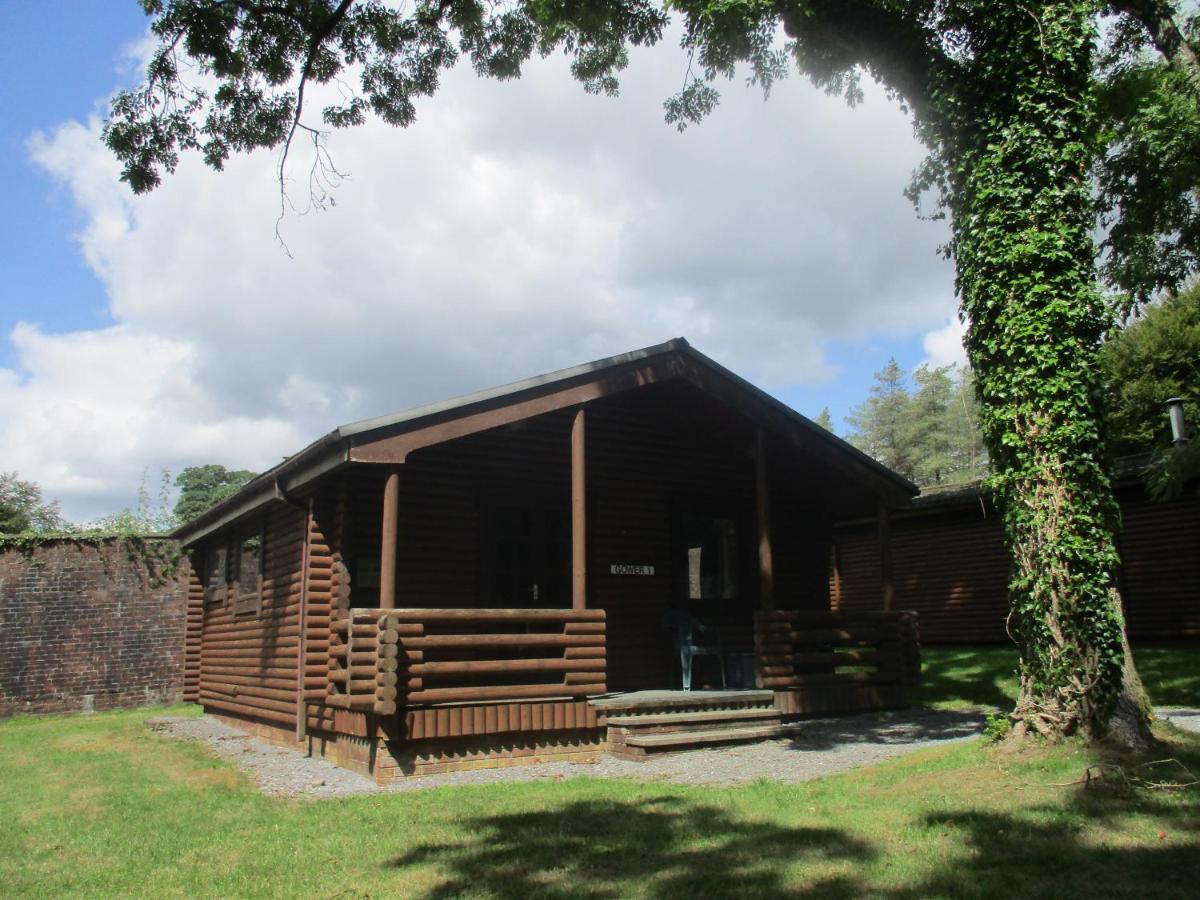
[528,556]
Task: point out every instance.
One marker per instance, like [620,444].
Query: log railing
[801,649]
[363,662]
[382,659]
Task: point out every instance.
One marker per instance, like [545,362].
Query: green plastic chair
[686,631]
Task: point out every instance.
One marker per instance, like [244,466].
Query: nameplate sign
[627,569]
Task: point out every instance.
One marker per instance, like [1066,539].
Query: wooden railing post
[578,512]
[386,659]
[387,550]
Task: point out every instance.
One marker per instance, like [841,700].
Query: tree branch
[1158,18]
[319,37]
[887,43]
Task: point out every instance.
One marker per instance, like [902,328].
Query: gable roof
[390,438]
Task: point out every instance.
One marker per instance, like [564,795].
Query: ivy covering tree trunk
[1026,267]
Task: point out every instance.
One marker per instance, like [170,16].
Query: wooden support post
[766,559]
[885,557]
[578,513]
[387,548]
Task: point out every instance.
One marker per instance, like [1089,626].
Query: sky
[515,229]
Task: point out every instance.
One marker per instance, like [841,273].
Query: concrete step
[641,744]
[684,719]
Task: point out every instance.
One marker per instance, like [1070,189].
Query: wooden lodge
[487,579]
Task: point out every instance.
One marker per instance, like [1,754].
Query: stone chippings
[824,747]
[276,771]
[87,627]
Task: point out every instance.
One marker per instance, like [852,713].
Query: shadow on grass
[1171,674]
[899,727]
[968,677]
[661,846]
[1061,850]
[1098,840]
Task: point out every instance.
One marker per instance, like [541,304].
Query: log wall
[951,566]
[249,662]
[192,635]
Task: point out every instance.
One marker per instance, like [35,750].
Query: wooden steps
[690,739]
[649,723]
[716,716]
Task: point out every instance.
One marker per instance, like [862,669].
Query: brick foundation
[387,762]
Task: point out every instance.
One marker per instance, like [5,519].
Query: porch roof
[388,439]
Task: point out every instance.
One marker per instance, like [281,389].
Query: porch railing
[424,656]
[800,649]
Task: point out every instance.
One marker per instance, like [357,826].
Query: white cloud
[944,346]
[514,229]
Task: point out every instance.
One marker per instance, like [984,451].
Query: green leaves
[201,487]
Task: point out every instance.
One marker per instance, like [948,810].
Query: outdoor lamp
[1178,428]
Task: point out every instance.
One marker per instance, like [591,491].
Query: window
[527,552]
[365,575]
[248,563]
[712,557]
[214,575]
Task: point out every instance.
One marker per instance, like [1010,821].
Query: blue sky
[514,229]
[57,58]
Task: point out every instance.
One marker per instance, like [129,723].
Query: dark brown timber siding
[951,566]
[649,456]
[248,662]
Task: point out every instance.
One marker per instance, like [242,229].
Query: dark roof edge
[845,446]
[1127,471]
[264,487]
[331,449]
[514,387]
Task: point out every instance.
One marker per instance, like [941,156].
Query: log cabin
[489,580]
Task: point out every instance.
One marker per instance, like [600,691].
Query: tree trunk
[1022,239]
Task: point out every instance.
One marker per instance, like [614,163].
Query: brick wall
[89,627]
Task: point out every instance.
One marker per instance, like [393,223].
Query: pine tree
[929,431]
[879,425]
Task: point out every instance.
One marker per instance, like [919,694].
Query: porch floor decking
[667,699]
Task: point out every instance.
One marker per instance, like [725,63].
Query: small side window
[215,586]
[248,576]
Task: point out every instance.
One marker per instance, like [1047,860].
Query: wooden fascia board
[394,449]
[782,424]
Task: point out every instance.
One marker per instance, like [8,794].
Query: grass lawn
[99,806]
[968,677]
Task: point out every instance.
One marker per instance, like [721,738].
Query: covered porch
[472,581]
[517,580]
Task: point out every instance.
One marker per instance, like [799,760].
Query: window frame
[216,577]
[737,573]
[248,602]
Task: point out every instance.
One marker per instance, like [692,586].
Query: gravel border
[276,771]
[822,747]
[1180,717]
